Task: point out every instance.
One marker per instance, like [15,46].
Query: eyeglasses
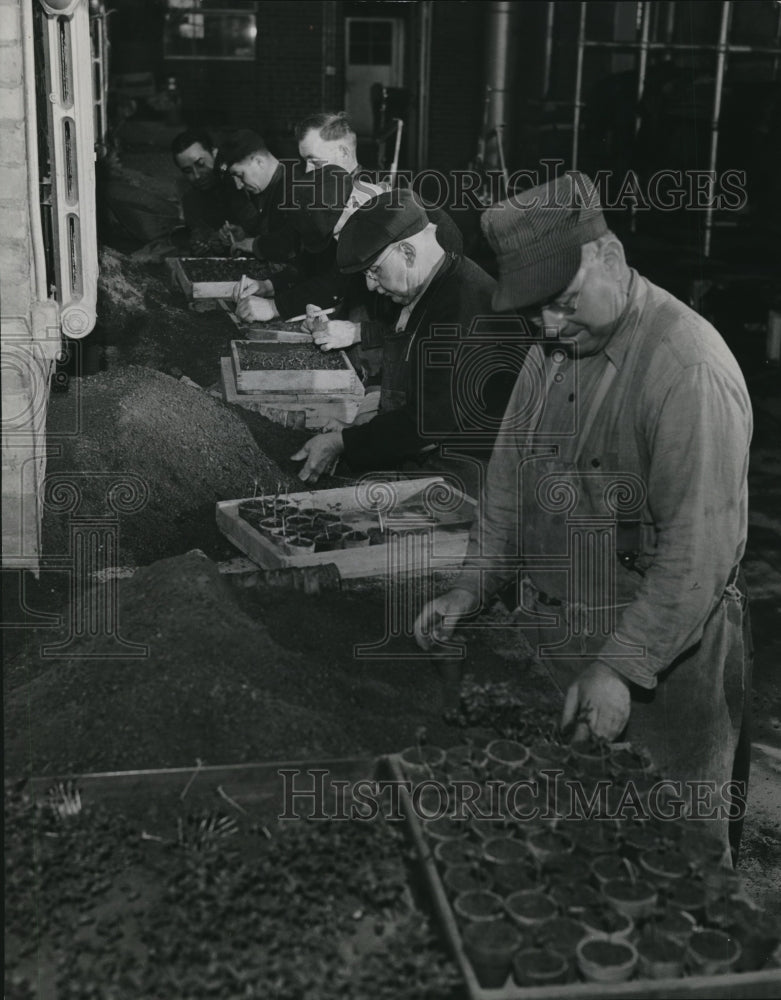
[371,272]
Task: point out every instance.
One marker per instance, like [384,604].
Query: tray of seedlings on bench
[540,901]
[277,367]
[215,277]
[350,527]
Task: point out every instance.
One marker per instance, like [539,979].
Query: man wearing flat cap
[392,242]
[628,430]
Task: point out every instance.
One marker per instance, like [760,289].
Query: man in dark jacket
[209,197]
[392,241]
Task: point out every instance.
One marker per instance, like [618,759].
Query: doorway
[375,54]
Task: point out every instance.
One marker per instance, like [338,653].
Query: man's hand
[231,235]
[602,696]
[437,621]
[252,287]
[254,310]
[338,333]
[320,452]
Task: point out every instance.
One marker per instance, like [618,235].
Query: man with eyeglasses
[392,242]
[628,430]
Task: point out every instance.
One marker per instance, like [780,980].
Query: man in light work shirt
[618,481]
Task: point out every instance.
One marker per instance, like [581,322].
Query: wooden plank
[447,550]
[323,381]
[178,275]
[763,985]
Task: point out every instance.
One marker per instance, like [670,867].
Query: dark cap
[241,144]
[319,197]
[537,236]
[384,219]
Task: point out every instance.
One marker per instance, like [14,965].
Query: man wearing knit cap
[626,435]
[392,242]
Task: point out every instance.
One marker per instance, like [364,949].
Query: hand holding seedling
[336,334]
[438,619]
[321,453]
[599,699]
[249,286]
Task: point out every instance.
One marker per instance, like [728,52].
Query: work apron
[690,724]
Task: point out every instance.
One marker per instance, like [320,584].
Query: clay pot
[466,878]
[660,957]
[490,948]
[540,967]
[454,853]
[636,899]
[594,840]
[544,844]
[445,828]
[563,869]
[713,952]
[509,863]
[530,908]
[299,544]
[674,924]
[468,757]
[507,752]
[478,906]
[562,934]
[640,838]
[664,867]
[605,922]
[606,867]
[355,539]
[721,883]
[298,522]
[418,762]
[688,895]
[548,756]
[327,520]
[590,758]
[329,541]
[700,849]
[271,527]
[602,961]
[574,896]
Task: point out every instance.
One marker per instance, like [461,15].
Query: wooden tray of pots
[349,527]
[545,908]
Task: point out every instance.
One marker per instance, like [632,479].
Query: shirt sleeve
[494,538]
[697,497]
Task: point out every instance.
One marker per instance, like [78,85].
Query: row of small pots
[548,949]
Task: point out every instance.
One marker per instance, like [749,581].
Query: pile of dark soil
[230,676]
[223,269]
[188,449]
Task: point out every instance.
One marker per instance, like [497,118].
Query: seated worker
[208,196]
[393,242]
[307,221]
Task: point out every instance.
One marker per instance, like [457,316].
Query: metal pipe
[669,28]
[549,22]
[645,18]
[424,79]
[31,142]
[498,68]
[778,43]
[679,47]
[718,89]
[578,83]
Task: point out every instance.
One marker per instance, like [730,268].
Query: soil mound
[213,685]
[187,449]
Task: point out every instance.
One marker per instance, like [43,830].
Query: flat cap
[241,144]
[537,236]
[382,220]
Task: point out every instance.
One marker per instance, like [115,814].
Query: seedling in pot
[530,909]
[540,967]
[478,906]
[713,952]
[602,961]
[604,922]
[490,948]
[660,957]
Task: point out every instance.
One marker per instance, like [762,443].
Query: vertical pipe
[718,89]
[642,68]
[777,44]
[424,75]
[669,31]
[549,23]
[498,68]
[31,142]
[578,83]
